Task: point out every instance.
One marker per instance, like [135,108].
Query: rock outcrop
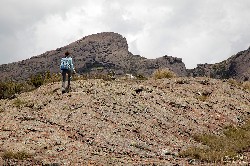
[107,52]
[99,53]
[236,67]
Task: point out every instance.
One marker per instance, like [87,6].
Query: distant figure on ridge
[66,67]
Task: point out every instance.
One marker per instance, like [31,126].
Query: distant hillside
[107,52]
[236,67]
[98,53]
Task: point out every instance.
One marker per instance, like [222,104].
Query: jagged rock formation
[98,53]
[237,67]
[121,122]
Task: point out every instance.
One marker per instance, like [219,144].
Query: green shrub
[163,73]
[41,79]
[8,89]
[51,78]
[36,80]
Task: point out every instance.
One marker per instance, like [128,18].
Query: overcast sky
[198,31]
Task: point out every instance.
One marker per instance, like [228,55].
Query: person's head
[66,54]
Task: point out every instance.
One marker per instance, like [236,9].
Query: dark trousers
[64,73]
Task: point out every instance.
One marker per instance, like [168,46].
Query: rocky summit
[108,52]
[119,122]
[236,67]
[100,53]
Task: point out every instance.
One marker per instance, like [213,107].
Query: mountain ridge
[107,52]
[236,67]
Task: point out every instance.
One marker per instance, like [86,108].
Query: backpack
[66,63]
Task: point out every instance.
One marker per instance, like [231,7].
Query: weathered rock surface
[107,52]
[99,53]
[236,67]
[121,122]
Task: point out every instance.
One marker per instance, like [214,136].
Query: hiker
[67,67]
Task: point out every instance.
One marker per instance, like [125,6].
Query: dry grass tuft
[246,85]
[228,146]
[233,82]
[16,155]
[18,103]
[163,73]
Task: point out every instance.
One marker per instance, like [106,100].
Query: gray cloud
[205,31]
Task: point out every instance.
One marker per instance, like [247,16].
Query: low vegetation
[225,147]
[8,89]
[141,77]
[246,85]
[202,97]
[45,78]
[22,155]
[18,103]
[106,77]
[233,82]
[163,73]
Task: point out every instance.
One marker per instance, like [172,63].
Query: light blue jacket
[67,64]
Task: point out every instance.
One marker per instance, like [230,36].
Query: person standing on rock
[67,68]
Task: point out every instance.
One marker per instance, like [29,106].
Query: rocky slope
[236,67]
[120,122]
[107,52]
[99,53]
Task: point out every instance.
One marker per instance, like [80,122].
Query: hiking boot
[63,90]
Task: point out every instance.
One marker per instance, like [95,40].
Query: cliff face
[98,53]
[236,67]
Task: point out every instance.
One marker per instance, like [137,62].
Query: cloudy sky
[198,31]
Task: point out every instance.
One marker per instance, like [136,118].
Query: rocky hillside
[236,67]
[120,122]
[107,52]
[99,53]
